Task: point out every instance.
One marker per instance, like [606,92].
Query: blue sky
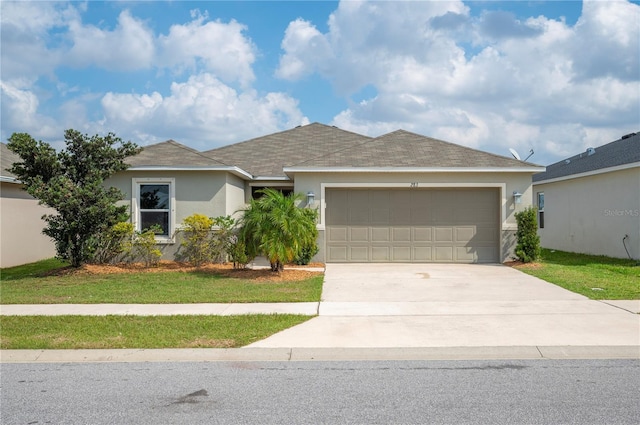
[555,76]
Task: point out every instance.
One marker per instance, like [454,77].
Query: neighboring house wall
[592,214]
[21,228]
[506,182]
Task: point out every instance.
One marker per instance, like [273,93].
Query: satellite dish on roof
[517,156]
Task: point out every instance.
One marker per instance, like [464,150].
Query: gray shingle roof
[619,152]
[405,149]
[7,158]
[172,154]
[266,156]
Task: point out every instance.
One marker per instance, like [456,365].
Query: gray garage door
[413,225]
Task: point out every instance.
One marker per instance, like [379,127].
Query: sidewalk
[307,309]
[398,312]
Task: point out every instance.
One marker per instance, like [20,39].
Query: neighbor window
[154,205]
[541,210]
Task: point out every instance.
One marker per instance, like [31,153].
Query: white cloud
[202,111]
[218,47]
[306,49]
[38,38]
[129,46]
[20,108]
[535,83]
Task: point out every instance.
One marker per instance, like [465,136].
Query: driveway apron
[453,305]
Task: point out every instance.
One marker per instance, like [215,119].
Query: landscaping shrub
[528,245]
[306,254]
[144,246]
[197,241]
[113,243]
[208,240]
[276,227]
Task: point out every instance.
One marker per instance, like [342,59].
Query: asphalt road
[400,392]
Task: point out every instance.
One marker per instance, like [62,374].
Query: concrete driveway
[453,305]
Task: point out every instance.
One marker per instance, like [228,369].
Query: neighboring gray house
[590,203]
[21,238]
[400,197]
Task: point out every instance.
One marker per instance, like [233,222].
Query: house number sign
[413,184]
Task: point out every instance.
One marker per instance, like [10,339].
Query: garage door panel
[443,254]
[380,234]
[422,253]
[421,217]
[486,234]
[422,234]
[465,254]
[380,253]
[465,234]
[424,225]
[399,216]
[359,254]
[337,234]
[401,253]
[486,254]
[359,215]
[380,216]
[358,234]
[337,254]
[401,234]
[337,207]
[443,234]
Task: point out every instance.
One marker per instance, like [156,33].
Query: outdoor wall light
[517,197]
[310,198]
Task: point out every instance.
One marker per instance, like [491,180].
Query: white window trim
[135,204]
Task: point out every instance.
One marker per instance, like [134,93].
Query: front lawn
[48,282]
[76,332]
[597,277]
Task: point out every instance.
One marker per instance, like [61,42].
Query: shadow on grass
[551,256]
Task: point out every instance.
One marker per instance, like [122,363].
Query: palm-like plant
[275,227]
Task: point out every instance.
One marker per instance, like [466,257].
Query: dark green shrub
[305,255]
[528,245]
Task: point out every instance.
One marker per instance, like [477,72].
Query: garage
[448,225]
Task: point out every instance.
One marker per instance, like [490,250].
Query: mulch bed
[522,265]
[290,273]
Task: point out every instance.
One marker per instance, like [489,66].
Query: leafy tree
[274,226]
[71,182]
[528,245]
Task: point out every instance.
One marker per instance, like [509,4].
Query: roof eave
[8,179]
[527,169]
[589,173]
[230,169]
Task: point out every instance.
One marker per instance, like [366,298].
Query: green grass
[597,277]
[28,285]
[96,332]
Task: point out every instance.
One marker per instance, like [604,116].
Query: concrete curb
[319,354]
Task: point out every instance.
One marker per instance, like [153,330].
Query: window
[154,205]
[286,191]
[541,210]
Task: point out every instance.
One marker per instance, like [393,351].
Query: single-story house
[400,197]
[590,202]
[21,224]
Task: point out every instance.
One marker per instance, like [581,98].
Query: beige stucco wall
[506,182]
[21,238]
[212,193]
[592,214]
